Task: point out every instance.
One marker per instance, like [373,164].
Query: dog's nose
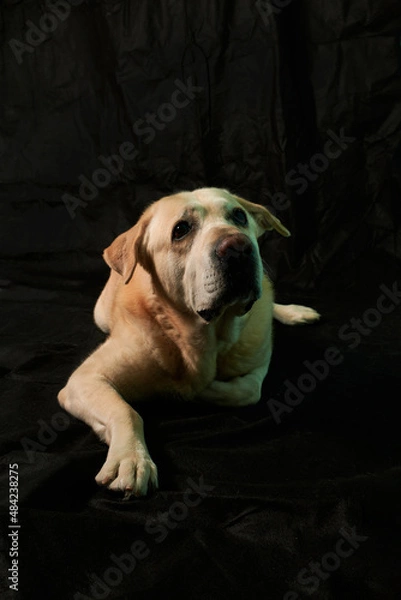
[236,245]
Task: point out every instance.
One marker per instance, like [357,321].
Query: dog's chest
[239,360]
[247,346]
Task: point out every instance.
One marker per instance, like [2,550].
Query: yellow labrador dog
[189,312]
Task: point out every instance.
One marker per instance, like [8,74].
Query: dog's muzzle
[233,277]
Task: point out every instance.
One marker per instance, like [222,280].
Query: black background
[277,81]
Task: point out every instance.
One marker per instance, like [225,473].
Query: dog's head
[201,250]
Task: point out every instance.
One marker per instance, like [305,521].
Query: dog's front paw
[132,472]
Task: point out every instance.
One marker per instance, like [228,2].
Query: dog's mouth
[209,314]
[240,309]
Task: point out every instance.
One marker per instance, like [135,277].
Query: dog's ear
[122,255]
[263,217]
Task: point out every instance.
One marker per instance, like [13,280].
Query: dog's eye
[239,217]
[181,230]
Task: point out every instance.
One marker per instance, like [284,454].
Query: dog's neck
[228,327]
[190,334]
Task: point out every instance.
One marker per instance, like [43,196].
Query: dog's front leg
[91,397]
[238,391]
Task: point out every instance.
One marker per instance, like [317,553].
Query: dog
[188,311]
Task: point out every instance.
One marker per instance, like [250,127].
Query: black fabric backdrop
[296,105]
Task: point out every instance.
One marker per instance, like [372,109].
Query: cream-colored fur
[173,327]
